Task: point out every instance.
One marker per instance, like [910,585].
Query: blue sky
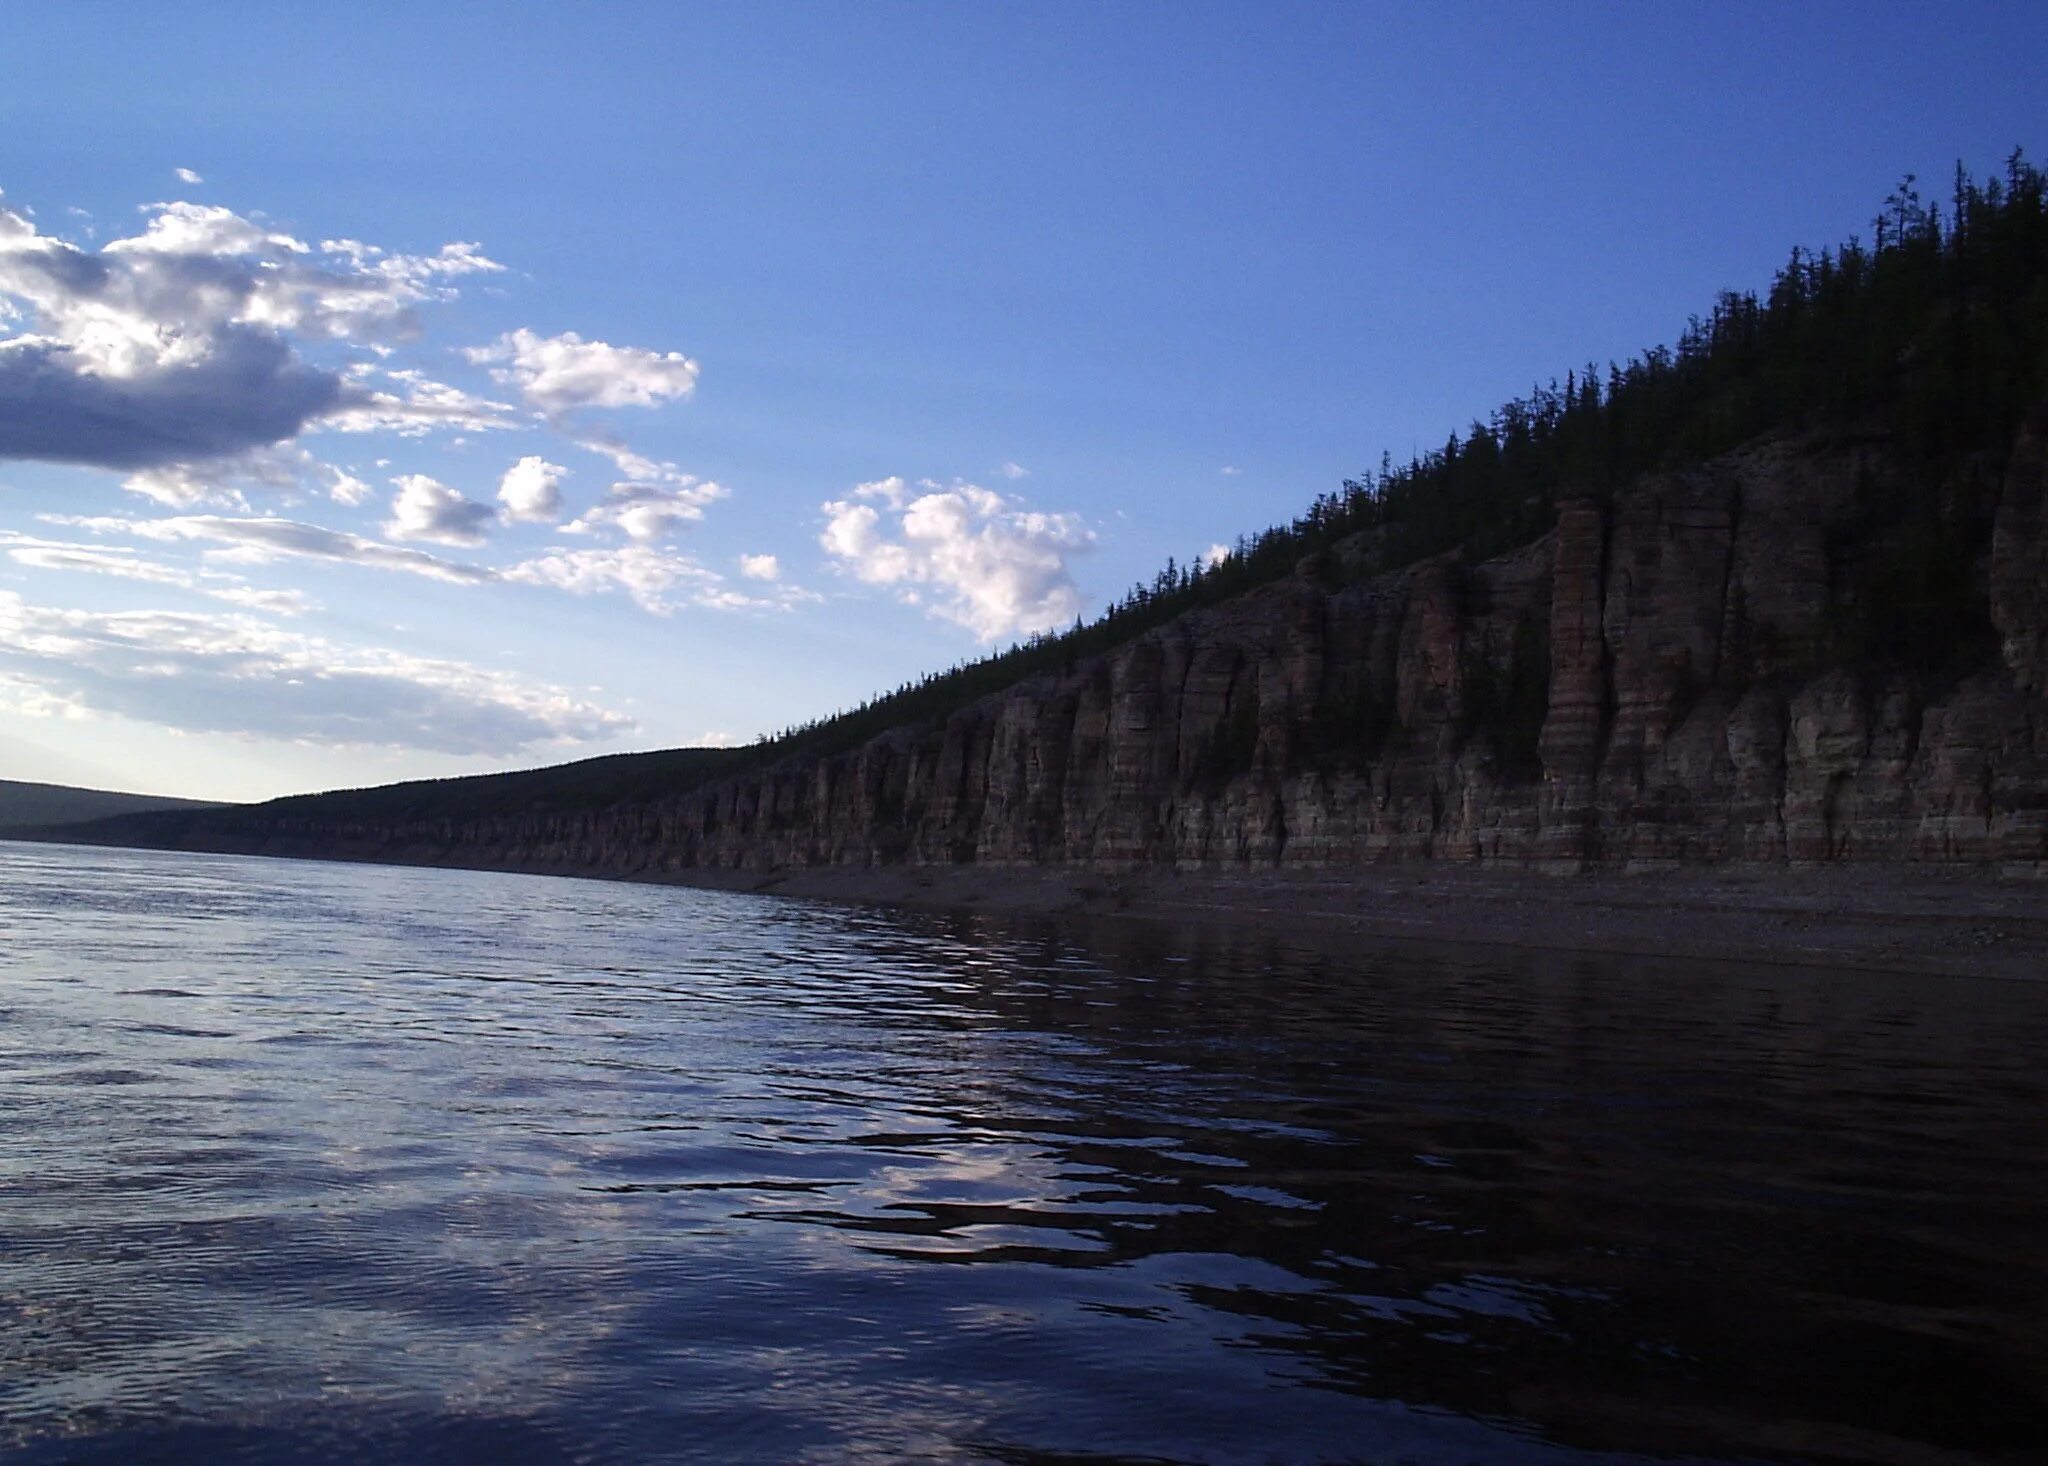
[389,392]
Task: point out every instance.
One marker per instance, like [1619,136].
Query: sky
[392,392]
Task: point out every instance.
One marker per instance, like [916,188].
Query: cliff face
[1671,677]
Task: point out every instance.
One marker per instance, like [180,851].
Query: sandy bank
[1890,918]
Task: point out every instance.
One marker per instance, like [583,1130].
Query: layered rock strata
[1659,680]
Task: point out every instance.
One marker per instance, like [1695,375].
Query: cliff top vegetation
[1935,333]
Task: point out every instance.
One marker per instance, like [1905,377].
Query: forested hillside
[1802,543]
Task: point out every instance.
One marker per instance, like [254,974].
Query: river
[305,1162]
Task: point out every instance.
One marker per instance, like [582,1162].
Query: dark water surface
[305,1163]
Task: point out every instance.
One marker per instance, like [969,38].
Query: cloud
[1230,470]
[126,564]
[28,699]
[186,175]
[760,567]
[985,561]
[412,404]
[660,582]
[531,490]
[426,509]
[248,392]
[182,344]
[1215,555]
[230,673]
[891,491]
[647,512]
[649,576]
[1015,471]
[228,482]
[650,501]
[258,540]
[559,374]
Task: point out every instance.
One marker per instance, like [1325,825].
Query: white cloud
[760,567]
[185,486]
[1230,470]
[637,467]
[186,175]
[985,561]
[183,229]
[658,581]
[891,491]
[532,490]
[649,576]
[126,564]
[559,374]
[412,404]
[228,482]
[426,509]
[183,344]
[273,602]
[1015,471]
[650,501]
[254,541]
[647,512]
[1215,555]
[230,673]
[27,699]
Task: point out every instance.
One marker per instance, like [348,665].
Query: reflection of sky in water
[302,1160]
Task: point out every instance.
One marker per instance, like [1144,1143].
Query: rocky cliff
[1742,662]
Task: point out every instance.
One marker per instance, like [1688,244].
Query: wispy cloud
[657,580]
[233,482]
[651,578]
[660,582]
[266,538]
[124,563]
[230,673]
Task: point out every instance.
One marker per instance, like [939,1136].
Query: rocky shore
[1931,920]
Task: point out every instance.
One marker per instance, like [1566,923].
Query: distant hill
[25,806]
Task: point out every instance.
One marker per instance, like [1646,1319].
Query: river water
[307,1162]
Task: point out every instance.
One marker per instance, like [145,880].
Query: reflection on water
[300,1162]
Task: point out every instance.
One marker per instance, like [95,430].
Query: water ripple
[307,1163]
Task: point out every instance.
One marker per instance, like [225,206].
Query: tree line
[1935,333]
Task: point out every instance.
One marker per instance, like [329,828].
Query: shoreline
[1949,921]
[1894,920]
